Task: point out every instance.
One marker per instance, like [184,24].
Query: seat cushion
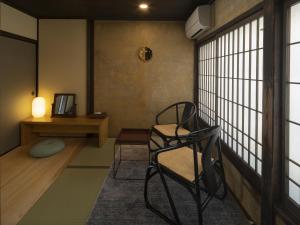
[47,148]
[169,130]
[181,162]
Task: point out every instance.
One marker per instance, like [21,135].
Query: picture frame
[64,105]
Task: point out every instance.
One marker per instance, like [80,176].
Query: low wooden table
[129,136]
[32,127]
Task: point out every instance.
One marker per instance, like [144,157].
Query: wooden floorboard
[24,179]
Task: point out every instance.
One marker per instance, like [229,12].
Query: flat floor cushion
[47,148]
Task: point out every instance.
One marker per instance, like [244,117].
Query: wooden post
[272,115]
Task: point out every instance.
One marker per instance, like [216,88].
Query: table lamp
[38,107]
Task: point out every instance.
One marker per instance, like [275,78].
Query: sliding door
[17,84]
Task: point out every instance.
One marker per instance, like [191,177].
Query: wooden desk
[32,127]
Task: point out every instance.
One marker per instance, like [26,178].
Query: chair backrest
[185,114]
[211,177]
[188,115]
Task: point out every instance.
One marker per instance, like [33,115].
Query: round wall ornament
[145,54]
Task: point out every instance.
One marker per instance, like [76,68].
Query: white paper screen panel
[231,88]
[207,82]
[240,79]
[293,109]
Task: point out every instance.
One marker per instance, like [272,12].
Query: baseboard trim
[241,206]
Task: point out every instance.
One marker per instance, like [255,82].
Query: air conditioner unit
[198,22]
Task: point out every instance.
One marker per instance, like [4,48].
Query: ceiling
[108,9]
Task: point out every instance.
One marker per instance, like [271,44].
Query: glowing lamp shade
[38,107]
[143,6]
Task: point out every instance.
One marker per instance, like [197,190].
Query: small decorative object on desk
[98,115]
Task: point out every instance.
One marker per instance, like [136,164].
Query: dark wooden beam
[196,77]
[17,37]
[272,94]
[37,59]
[90,66]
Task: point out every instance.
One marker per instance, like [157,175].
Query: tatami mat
[93,156]
[69,200]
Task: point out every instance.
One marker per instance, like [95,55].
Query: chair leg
[199,203]
[171,202]
[224,182]
[147,178]
[222,170]
[148,205]
[196,197]
[114,164]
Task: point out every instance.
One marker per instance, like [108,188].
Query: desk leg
[27,136]
[103,132]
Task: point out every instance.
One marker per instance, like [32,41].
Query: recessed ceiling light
[143,6]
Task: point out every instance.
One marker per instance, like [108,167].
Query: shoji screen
[207,82]
[231,88]
[293,103]
[17,82]
[240,86]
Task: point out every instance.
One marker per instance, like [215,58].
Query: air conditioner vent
[198,22]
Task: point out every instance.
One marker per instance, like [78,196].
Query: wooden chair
[196,171]
[185,122]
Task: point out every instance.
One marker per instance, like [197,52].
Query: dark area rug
[121,202]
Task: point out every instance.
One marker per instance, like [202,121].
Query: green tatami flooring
[93,156]
[71,197]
